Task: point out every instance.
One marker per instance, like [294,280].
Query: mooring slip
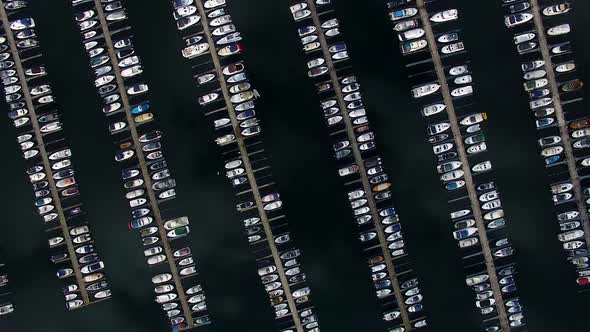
[149,187]
[40,135]
[426,34]
[360,165]
[213,46]
[550,81]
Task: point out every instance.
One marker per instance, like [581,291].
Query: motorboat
[462,91]
[558,30]
[195,50]
[445,16]
[401,14]
[453,48]
[517,19]
[482,167]
[525,47]
[464,233]
[433,109]
[558,9]
[186,22]
[411,34]
[535,84]
[473,119]
[565,67]
[406,25]
[458,70]
[563,48]
[413,46]
[425,90]
[571,86]
[438,128]
[448,37]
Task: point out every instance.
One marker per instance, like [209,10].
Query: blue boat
[552,160]
[140,108]
[387,212]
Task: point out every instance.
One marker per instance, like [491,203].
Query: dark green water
[296,139]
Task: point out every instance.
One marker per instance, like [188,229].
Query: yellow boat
[143,118]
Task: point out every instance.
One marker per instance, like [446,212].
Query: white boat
[242,97]
[561,188]
[438,149]
[186,22]
[540,102]
[103,80]
[438,128]
[449,166]
[494,214]
[184,11]
[175,223]
[551,151]
[453,48]
[473,119]
[85,25]
[482,167]
[23,23]
[448,37]
[195,50]
[116,16]
[433,109]
[298,7]
[571,235]
[460,213]
[458,70]
[348,170]
[131,71]
[299,15]
[444,16]
[413,46]
[156,259]
[221,20]
[582,144]
[465,243]
[405,25]
[451,176]
[565,67]
[137,89]
[315,62]
[559,9]
[491,195]
[41,89]
[331,23]
[411,34]
[462,91]
[581,133]
[130,61]
[223,30]
[517,19]
[401,14]
[549,140]
[524,37]
[573,245]
[535,74]
[464,233]
[557,30]
[166,297]
[208,98]
[535,84]
[425,90]
[465,79]
[273,206]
